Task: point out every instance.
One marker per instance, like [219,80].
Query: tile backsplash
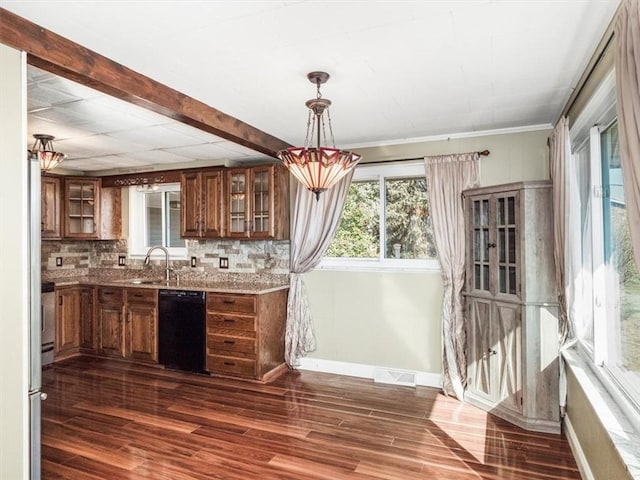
[266,258]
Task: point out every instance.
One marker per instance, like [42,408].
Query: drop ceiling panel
[157,136]
[102,133]
[157,156]
[210,151]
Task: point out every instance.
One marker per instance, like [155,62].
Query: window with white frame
[154,219]
[608,327]
[385,223]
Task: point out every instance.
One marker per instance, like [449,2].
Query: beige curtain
[314,225]
[448,176]
[558,165]
[627,34]
[565,237]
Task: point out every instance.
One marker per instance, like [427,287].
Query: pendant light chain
[318,167]
[333,141]
[310,129]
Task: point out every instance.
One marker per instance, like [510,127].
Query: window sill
[377,267]
[618,417]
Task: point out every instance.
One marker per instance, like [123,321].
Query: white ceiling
[401,70]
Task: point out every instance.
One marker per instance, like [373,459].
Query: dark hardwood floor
[111,420]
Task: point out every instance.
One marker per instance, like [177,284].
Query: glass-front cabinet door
[495,244]
[507,245]
[237,203]
[481,244]
[81,208]
[250,202]
[262,206]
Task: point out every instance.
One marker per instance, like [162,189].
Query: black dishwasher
[182,330]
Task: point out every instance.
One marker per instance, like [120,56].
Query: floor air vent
[395,377]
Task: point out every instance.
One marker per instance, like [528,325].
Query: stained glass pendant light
[318,167]
[43,149]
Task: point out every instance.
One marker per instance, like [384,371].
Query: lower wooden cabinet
[87,329]
[109,321]
[67,339]
[141,325]
[74,320]
[127,322]
[245,334]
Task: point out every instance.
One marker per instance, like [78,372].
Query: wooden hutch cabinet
[201,204]
[257,202]
[511,304]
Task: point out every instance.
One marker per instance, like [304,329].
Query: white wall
[14,269]
[392,319]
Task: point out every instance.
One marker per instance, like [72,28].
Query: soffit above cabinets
[103,134]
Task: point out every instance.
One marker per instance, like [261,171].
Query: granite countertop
[219,286]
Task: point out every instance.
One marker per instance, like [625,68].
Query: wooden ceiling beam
[56,54]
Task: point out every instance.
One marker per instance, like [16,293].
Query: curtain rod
[482,153]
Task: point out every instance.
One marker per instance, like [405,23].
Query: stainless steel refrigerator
[35,321]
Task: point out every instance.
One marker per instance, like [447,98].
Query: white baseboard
[576,448]
[425,379]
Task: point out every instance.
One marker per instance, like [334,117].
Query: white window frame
[599,274]
[381,172]
[138,225]
[598,115]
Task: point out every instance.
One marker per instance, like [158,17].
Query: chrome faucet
[167,268]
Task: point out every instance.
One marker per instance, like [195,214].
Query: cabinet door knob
[491,245]
[491,352]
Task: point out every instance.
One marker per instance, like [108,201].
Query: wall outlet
[122,260]
[58,261]
[224,262]
[193,262]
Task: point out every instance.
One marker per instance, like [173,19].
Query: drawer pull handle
[229,342]
[230,320]
[229,300]
[107,293]
[231,364]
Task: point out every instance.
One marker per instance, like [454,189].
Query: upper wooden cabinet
[81,207]
[201,204]
[110,213]
[257,202]
[78,208]
[50,227]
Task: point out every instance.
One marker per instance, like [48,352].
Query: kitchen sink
[155,282]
